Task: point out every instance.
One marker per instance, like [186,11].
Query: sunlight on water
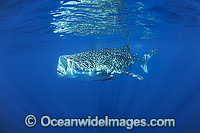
[102,17]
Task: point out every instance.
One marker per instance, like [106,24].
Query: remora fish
[101,64]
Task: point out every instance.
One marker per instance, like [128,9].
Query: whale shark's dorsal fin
[127,47]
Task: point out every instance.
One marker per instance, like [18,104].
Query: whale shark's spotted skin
[101,64]
[111,58]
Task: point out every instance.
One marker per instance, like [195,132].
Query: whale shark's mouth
[68,67]
[62,66]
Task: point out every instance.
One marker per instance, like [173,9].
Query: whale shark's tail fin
[146,58]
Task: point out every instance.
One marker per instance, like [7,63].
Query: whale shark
[101,64]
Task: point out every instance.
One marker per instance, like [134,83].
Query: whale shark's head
[68,67]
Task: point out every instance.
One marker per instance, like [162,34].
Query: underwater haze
[34,34]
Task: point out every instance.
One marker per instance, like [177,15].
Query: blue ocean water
[30,48]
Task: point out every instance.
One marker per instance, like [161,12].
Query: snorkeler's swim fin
[146,58]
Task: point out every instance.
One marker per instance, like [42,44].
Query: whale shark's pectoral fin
[132,75]
[107,79]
